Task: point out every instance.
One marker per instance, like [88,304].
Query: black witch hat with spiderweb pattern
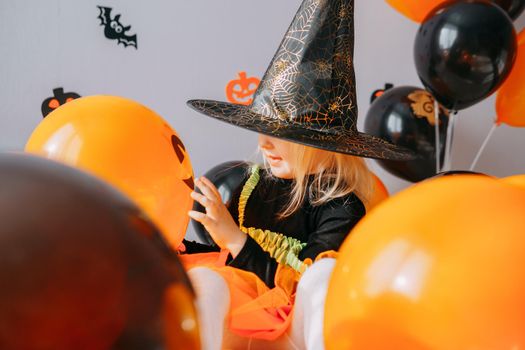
[308,93]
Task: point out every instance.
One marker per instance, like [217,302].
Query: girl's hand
[217,219]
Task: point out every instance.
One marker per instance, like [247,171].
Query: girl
[302,206]
[306,194]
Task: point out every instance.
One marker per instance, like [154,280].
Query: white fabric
[306,331]
[212,302]
[307,325]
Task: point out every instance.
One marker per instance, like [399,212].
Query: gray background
[191,49]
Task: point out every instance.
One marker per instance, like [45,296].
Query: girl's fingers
[209,205]
[200,198]
[200,217]
[211,186]
[206,190]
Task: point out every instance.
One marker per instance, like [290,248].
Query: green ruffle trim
[285,250]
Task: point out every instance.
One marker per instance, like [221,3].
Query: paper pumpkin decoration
[241,90]
[58,99]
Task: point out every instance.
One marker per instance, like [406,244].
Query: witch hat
[308,93]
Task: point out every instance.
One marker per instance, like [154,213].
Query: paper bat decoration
[115,30]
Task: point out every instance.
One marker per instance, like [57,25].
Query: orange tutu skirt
[256,311]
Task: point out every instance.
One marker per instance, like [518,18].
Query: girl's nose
[265,142]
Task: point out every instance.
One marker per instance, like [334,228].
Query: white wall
[191,49]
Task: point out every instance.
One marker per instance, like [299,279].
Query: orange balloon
[438,266]
[129,146]
[510,101]
[380,193]
[516,180]
[416,10]
[180,329]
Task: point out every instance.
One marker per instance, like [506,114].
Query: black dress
[322,227]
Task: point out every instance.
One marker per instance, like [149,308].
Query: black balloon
[513,7]
[81,267]
[464,51]
[404,116]
[228,177]
[458,172]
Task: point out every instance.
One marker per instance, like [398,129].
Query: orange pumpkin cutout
[129,146]
[240,91]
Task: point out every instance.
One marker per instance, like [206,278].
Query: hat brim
[352,143]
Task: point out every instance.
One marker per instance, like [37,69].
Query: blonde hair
[334,175]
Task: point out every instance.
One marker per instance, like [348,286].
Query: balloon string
[494,126]
[450,135]
[436,129]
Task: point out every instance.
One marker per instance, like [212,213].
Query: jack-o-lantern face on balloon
[58,99]
[186,171]
[129,146]
[240,91]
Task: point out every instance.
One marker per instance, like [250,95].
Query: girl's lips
[273,159]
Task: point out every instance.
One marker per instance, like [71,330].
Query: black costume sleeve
[193,247]
[334,221]
[253,258]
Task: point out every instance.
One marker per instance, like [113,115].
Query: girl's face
[278,154]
